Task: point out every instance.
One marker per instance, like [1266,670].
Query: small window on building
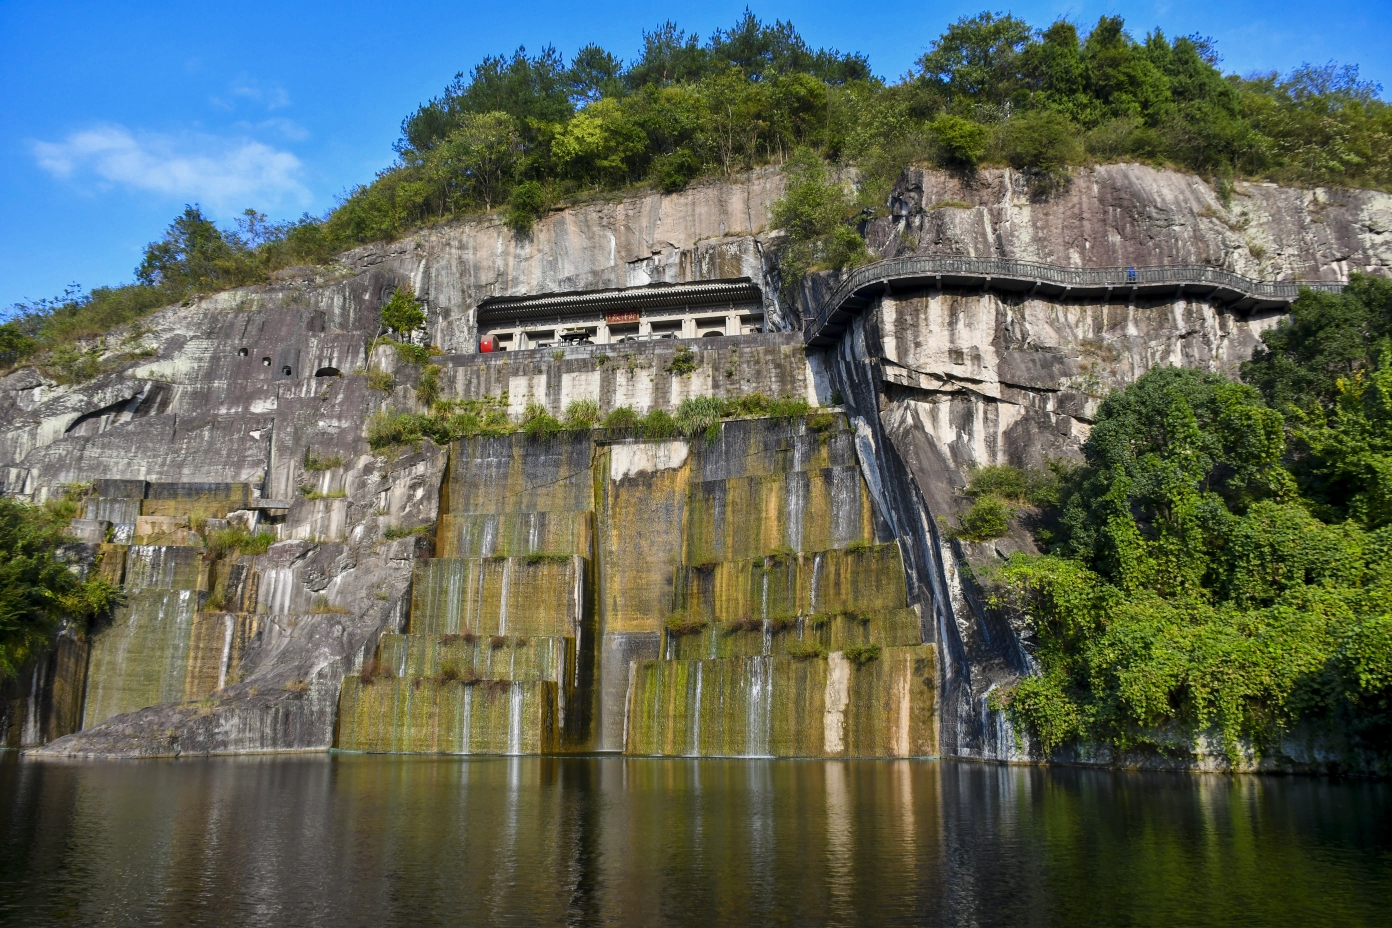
[241,352]
[265,362]
[286,370]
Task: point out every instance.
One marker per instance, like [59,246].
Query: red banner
[617,318]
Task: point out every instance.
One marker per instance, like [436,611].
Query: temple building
[706,309]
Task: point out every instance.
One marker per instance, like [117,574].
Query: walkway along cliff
[774,586]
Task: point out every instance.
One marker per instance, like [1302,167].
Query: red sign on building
[619,318]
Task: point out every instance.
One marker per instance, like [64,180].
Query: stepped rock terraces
[497,658]
[729,596]
[163,644]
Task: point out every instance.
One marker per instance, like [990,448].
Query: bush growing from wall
[538,423]
[402,314]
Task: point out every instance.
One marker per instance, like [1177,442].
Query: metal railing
[1119,278]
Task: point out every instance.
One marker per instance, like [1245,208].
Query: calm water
[362,840]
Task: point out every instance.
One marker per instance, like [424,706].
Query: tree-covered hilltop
[1222,560]
[522,133]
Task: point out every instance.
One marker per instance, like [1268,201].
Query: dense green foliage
[446,421]
[403,314]
[1223,559]
[523,132]
[37,588]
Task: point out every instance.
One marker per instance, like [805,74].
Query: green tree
[1053,75]
[816,211]
[670,55]
[479,156]
[1326,366]
[402,314]
[1346,465]
[15,344]
[976,60]
[1122,77]
[1192,587]
[527,88]
[526,205]
[764,51]
[1166,459]
[1326,337]
[1041,140]
[600,145]
[37,588]
[961,142]
[737,118]
[196,254]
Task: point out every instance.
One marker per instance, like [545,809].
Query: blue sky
[118,114]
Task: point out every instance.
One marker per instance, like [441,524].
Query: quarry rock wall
[268,388]
[1124,215]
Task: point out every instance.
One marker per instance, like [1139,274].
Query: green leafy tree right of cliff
[38,588]
[1216,566]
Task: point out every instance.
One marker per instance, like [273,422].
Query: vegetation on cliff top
[1222,560]
[522,132]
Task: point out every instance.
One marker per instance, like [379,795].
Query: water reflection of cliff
[361,840]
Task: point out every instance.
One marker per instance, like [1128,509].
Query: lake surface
[374,840]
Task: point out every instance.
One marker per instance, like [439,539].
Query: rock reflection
[422,841]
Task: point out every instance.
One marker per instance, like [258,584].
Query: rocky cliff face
[251,388]
[950,380]
[707,232]
[248,387]
[1121,215]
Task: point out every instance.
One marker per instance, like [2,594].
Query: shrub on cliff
[538,423]
[526,204]
[818,212]
[988,517]
[402,314]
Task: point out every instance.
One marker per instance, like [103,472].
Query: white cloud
[217,171]
[272,97]
[288,128]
